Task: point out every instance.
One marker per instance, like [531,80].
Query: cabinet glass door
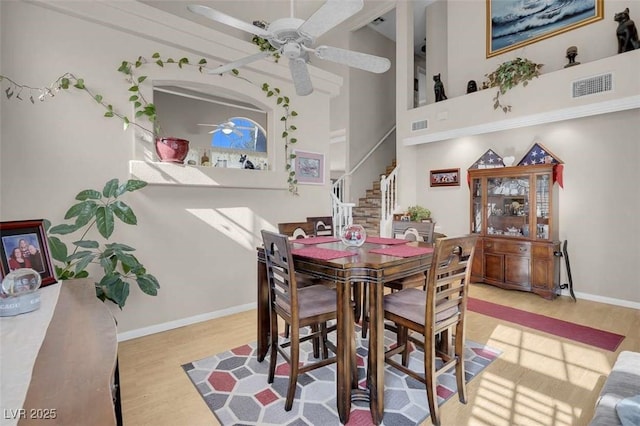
[476,206]
[542,207]
[508,206]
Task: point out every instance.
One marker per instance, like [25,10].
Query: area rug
[234,386]
[576,332]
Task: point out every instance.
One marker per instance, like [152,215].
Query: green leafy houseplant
[99,210]
[418,213]
[144,108]
[508,75]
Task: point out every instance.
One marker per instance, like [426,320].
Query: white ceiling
[270,10]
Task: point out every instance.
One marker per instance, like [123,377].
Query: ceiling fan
[228,127]
[293,38]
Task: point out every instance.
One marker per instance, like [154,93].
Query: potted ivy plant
[97,210]
[508,75]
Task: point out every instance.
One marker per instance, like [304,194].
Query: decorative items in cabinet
[514,211]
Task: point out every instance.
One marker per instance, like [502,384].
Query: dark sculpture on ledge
[572,52]
[438,88]
[626,32]
[472,86]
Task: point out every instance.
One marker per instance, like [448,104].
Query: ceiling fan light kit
[293,38]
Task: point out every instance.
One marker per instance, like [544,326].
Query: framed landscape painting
[512,24]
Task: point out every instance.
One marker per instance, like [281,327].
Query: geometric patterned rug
[234,386]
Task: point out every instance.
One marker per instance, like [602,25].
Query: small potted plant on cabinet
[419,214]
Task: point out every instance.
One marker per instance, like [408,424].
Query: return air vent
[419,125]
[592,85]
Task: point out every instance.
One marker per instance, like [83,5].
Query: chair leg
[430,378]
[323,339]
[315,341]
[273,358]
[460,376]
[403,340]
[294,357]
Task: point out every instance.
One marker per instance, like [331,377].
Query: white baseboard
[602,299]
[140,332]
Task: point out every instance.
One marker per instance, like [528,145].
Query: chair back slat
[280,272]
[414,231]
[295,230]
[448,279]
[322,225]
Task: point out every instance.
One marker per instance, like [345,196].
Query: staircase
[369,209]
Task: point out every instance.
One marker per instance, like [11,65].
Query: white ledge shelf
[212,177]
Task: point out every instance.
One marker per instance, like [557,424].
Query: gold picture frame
[508,29]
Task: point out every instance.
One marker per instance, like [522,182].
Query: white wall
[601,153]
[371,111]
[199,242]
[596,207]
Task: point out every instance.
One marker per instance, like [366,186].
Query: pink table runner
[387,241]
[315,240]
[402,251]
[322,253]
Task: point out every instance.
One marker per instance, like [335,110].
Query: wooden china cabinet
[514,211]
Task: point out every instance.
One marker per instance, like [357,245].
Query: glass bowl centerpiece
[353,235]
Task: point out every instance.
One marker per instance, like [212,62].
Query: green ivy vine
[143,108]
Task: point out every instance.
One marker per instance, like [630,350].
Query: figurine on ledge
[438,88]
[626,32]
[572,52]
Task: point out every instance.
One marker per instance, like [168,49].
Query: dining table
[377,261]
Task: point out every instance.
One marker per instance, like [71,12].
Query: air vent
[419,125]
[592,85]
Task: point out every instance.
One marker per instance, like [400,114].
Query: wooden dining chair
[295,230]
[412,231]
[311,306]
[438,314]
[322,225]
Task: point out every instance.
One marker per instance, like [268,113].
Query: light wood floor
[538,380]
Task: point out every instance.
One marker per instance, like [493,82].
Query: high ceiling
[270,10]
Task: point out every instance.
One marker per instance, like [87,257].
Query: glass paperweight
[353,235]
[21,281]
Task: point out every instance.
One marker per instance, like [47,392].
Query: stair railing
[389,201]
[343,212]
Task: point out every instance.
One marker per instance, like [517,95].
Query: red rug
[579,333]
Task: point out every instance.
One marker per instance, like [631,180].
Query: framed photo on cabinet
[23,244]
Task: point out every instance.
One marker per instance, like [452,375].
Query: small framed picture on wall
[445,177]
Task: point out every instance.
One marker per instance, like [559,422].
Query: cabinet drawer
[507,247]
[544,251]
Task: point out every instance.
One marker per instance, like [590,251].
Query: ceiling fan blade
[237,132]
[214,15]
[209,125]
[330,14]
[214,131]
[240,62]
[300,76]
[363,61]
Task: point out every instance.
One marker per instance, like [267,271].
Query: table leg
[263,311]
[375,370]
[345,337]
